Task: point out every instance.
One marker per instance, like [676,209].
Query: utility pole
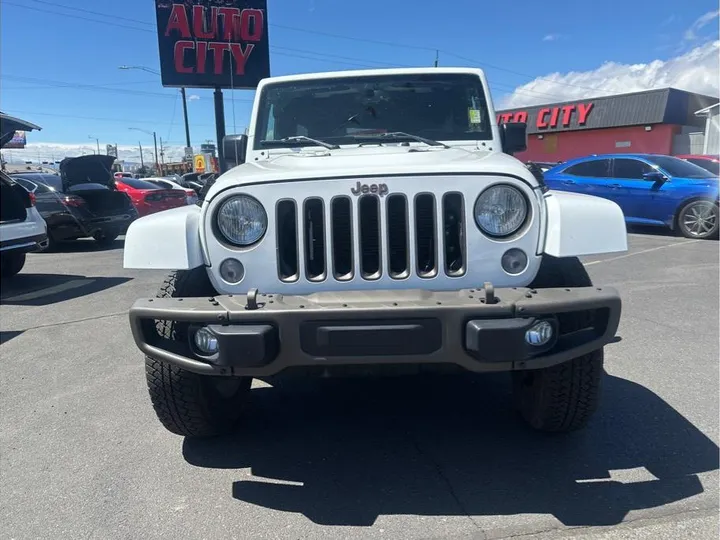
[187,126]
[162,158]
[437,58]
[157,163]
[142,163]
[97,141]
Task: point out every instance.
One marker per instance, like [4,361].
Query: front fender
[168,240]
[583,225]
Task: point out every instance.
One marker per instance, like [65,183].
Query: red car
[148,198]
[707,162]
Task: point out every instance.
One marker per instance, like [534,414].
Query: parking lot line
[643,251]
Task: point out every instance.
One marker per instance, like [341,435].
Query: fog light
[539,334]
[232,270]
[206,342]
[514,261]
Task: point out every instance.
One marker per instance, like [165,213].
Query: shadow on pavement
[83,245]
[8,335]
[27,289]
[356,449]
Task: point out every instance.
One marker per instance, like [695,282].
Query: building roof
[663,106]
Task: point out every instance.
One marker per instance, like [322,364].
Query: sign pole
[220,127]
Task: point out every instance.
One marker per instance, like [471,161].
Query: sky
[59,59]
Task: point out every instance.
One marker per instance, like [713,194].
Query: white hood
[347,162]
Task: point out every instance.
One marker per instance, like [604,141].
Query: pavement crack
[95,318]
[441,473]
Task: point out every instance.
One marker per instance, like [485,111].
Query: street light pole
[97,141]
[182,93]
[157,163]
[142,163]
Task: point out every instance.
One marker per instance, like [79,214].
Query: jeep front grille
[369,237]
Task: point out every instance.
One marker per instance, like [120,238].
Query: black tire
[11,264]
[105,239]
[186,403]
[561,398]
[693,214]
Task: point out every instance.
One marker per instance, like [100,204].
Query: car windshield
[679,167]
[449,107]
[52,181]
[712,166]
[138,184]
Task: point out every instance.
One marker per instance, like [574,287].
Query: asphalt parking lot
[83,456]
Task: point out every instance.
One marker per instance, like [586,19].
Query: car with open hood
[371,221]
[22,228]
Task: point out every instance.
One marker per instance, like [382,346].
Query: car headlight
[500,210]
[241,220]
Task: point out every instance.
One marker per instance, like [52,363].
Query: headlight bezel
[221,237]
[519,229]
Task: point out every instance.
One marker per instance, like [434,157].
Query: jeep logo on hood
[363,189]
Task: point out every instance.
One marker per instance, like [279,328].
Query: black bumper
[476,329]
[24,245]
[66,226]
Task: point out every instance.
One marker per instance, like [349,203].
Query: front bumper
[477,329]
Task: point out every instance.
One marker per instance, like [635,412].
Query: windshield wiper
[298,140]
[398,136]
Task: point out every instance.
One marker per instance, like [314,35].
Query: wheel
[11,264]
[105,239]
[698,219]
[563,397]
[186,403]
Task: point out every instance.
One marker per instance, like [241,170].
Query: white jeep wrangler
[375,219]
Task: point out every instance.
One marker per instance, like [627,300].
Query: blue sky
[48,52]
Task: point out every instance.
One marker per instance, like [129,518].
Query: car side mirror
[234,150]
[513,137]
[654,176]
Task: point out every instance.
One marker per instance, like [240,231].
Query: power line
[122,120]
[82,10]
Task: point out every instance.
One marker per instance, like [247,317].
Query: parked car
[22,228]
[165,183]
[651,189]
[544,166]
[148,198]
[707,162]
[69,216]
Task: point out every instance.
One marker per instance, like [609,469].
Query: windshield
[712,166]
[51,180]
[679,167]
[449,107]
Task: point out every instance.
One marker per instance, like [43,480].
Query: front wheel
[698,219]
[186,403]
[11,264]
[563,397]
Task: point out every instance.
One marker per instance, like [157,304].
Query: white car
[375,220]
[165,183]
[22,228]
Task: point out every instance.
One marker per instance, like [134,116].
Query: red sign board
[552,117]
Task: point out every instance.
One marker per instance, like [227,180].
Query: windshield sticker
[361,131]
[474,116]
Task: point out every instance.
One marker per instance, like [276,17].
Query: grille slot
[397,232]
[453,233]
[287,240]
[314,239]
[342,238]
[369,224]
[425,235]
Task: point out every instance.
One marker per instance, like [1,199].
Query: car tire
[698,219]
[11,264]
[187,403]
[561,398]
[105,239]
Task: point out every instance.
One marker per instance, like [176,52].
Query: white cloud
[551,37]
[696,71]
[700,22]
[193,97]
[56,151]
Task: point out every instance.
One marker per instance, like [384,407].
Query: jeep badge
[379,189]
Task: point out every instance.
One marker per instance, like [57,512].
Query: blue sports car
[651,189]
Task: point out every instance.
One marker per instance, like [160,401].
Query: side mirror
[234,150]
[654,176]
[513,137]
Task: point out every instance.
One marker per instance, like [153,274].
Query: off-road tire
[186,403]
[561,398]
[104,239]
[11,264]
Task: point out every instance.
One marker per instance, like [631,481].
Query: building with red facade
[654,121]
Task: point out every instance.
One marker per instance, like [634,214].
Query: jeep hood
[95,168]
[9,125]
[313,163]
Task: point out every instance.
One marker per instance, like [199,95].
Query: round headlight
[500,210]
[241,220]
